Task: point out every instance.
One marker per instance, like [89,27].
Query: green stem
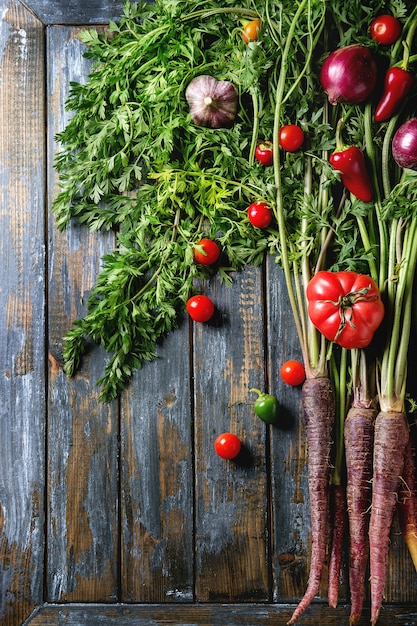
[405,328]
[255,125]
[381,249]
[386,157]
[202,13]
[394,362]
[309,55]
[280,212]
[409,41]
[408,26]
[340,384]
[369,248]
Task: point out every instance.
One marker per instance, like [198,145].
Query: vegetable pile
[208,137]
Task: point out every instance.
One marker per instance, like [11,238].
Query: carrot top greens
[131,159]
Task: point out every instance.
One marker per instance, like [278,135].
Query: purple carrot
[359,436]
[407,500]
[339,526]
[390,441]
[319,408]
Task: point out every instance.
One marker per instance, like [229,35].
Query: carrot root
[319,409]
[359,437]
[407,501]
[391,437]
[339,525]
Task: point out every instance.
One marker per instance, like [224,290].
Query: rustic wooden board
[74,11]
[139,509]
[157,478]
[83,518]
[231,498]
[211,615]
[290,498]
[22,313]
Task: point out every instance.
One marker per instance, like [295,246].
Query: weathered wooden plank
[290,497]
[212,615]
[75,11]
[157,478]
[83,559]
[231,497]
[22,319]
[401,583]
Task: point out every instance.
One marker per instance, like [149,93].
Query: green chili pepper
[266,406]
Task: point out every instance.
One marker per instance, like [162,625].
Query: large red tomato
[346,307]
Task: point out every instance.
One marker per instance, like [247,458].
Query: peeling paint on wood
[231,498]
[83,461]
[22,307]
[157,479]
[212,615]
[127,504]
[74,11]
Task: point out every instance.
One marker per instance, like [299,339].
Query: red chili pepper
[352,167]
[397,84]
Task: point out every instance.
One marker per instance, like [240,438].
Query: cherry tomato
[260,215]
[200,308]
[227,446]
[251,30]
[264,153]
[293,372]
[209,252]
[291,137]
[385,29]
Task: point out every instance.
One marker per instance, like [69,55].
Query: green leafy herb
[131,160]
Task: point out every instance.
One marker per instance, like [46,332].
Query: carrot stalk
[359,435]
[338,478]
[319,408]
[390,441]
[338,496]
[407,501]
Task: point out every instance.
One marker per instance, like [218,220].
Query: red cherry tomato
[209,254]
[227,446]
[264,153]
[291,137]
[200,308]
[260,215]
[293,372]
[251,30]
[385,29]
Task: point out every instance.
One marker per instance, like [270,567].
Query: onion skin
[212,102]
[349,74]
[404,145]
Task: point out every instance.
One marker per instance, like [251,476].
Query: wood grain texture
[157,478]
[139,509]
[22,305]
[212,615]
[74,11]
[231,497]
[290,498]
[83,559]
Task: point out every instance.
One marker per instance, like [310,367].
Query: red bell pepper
[351,164]
[397,84]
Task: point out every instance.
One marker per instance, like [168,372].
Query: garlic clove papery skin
[212,102]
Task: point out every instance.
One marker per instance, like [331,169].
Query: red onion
[349,74]
[404,145]
[212,102]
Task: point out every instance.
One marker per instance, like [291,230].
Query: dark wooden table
[121,512]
